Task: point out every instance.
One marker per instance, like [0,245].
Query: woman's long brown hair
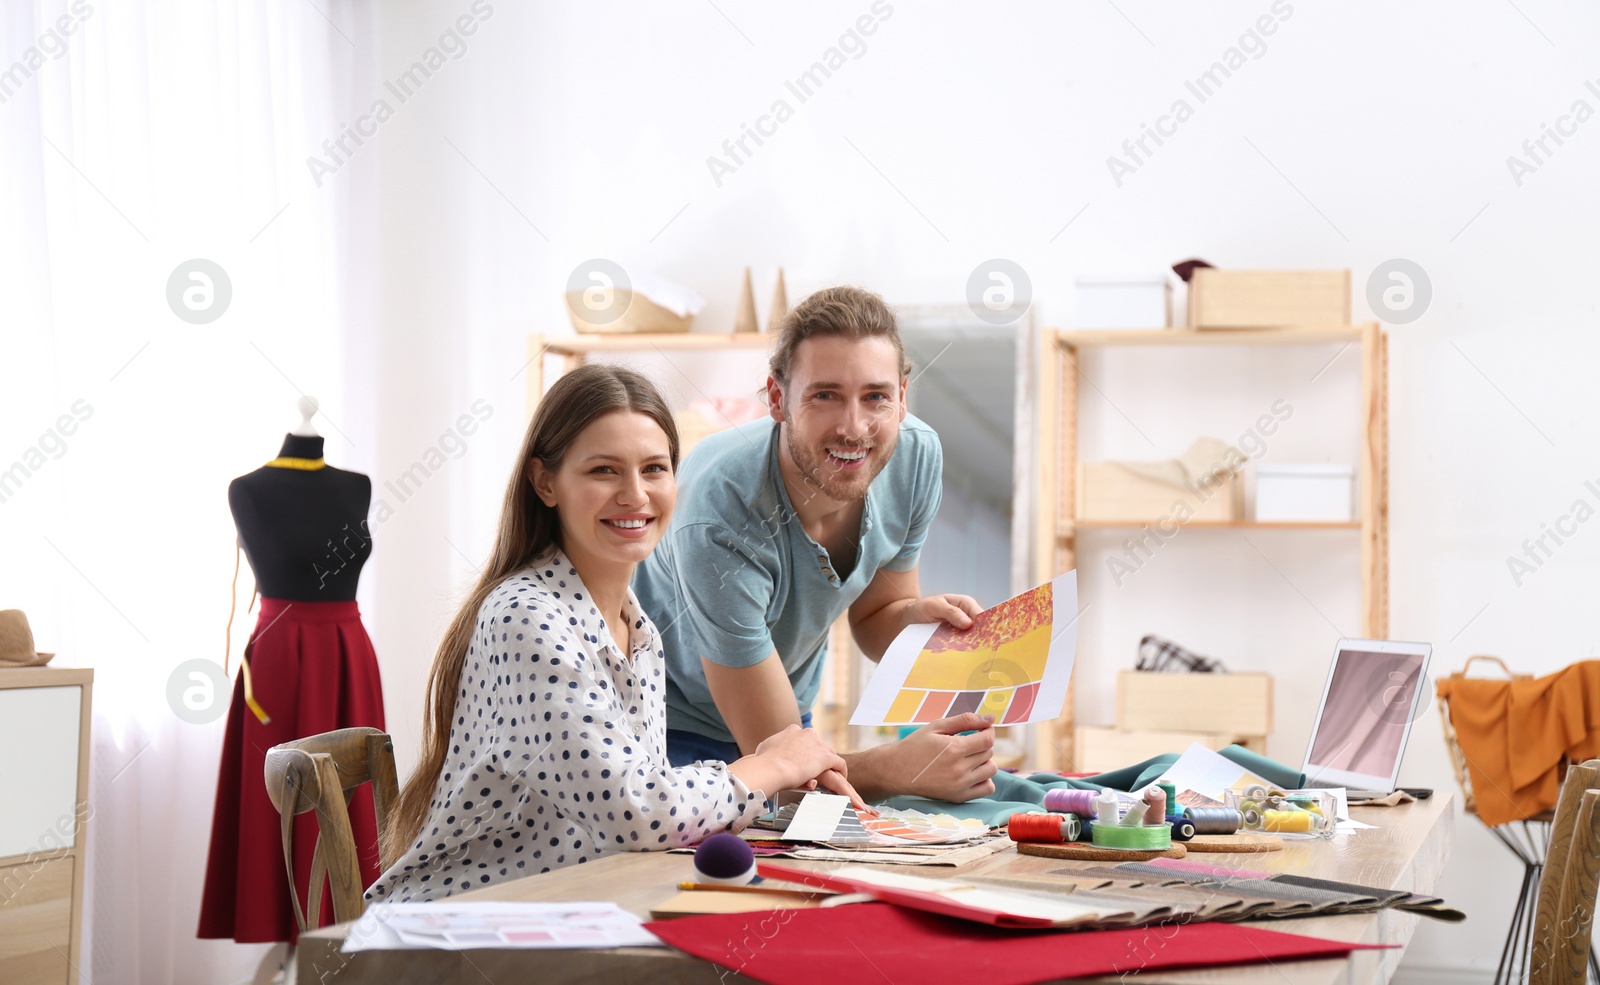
[529,530]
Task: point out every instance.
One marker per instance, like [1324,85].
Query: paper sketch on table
[1013,663]
[455,926]
[1201,776]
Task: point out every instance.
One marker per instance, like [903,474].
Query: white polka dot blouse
[558,751]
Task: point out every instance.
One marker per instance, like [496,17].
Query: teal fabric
[1015,794]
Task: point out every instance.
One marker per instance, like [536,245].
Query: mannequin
[309,668]
[304,530]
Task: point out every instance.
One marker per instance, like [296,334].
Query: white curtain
[135,137]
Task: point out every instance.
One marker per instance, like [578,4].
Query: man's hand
[893,600]
[933,762]
[957,610]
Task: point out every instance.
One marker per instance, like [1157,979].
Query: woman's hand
[795,757]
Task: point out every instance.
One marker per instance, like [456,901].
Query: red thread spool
[1052,829]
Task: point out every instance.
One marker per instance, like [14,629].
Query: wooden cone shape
[744,315]
[780,304]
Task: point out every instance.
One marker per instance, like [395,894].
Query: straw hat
[16,642]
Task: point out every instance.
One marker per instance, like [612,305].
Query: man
[784,525]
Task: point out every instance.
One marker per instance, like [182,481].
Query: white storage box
[1125,302]
[1305,492]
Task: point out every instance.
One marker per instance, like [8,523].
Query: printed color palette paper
[1013,663]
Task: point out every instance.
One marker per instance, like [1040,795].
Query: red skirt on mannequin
[313,670]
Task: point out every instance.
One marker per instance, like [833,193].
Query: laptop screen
[1367,713]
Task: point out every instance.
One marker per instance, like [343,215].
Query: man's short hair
[846,312]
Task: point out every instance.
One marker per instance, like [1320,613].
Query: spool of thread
[1215,820]
[1105,808]
[1138,837]
[1172,797]
[1053,829]
[1182,827]
[1079,802]
[1287,820]
[1133,816]
[1085,830]
[1155,810]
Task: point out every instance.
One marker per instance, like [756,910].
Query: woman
[545,739]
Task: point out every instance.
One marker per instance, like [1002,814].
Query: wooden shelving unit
[1055,547]
[1227,525]
[574,348]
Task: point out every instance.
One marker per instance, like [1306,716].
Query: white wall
[1361,134]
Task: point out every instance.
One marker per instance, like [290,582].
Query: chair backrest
[1568,883]
[321,773]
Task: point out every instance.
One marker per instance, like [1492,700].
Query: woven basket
[640,315]
[1458,760]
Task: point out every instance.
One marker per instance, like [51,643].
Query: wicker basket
[1458,760]
[640,315]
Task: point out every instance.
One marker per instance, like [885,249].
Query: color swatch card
[1013,663]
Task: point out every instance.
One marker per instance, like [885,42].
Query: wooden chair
[1565,914]
[321,773]
[1531,840]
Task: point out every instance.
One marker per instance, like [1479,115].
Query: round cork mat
[1244,841]
[1083,852]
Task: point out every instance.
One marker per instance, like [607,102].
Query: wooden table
[1407,850]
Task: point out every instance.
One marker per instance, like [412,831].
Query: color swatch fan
[1013,663]
[829,819]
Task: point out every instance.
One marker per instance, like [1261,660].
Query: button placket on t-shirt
[823,557]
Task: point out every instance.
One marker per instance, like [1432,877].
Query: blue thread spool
[1182,827]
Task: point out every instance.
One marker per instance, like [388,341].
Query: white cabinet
[44,789]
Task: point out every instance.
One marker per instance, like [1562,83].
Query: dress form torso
[309,668]
[304,530]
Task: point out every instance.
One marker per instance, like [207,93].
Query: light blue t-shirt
[736,578]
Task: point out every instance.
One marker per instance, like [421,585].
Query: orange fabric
[1514,735]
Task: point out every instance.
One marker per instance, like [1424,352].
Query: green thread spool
[1142,838]
[1173,807]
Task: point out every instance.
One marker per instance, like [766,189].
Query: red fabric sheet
[875,942]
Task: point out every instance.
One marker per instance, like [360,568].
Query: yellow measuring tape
[244,658]
[303,464]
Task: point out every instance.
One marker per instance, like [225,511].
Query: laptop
[1368,705]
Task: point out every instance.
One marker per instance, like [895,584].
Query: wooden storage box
[1109,493]
[641,315]
[1232,704]
[1268,298]
[1100,750]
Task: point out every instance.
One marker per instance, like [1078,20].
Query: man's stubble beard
[818,473]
